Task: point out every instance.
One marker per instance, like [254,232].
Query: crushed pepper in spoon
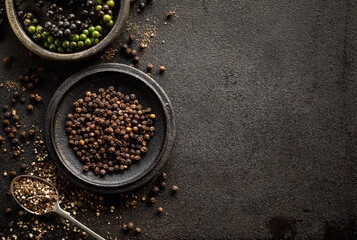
[35,195]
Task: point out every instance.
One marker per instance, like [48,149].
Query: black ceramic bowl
[126,80]
[121,11]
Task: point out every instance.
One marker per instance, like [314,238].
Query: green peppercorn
[52,47]
[32,29]
[82,37]
[39,28]
[58,42]
[110,23]
[99,1]
[86,32]
[110,3]
[45,35]
[73,44]
[69,50]
[98,28]
[107,18]
[88,42]
[29,15]
[65,44]
[60,49]
[95,41]
[99,8]
[80,44]
[75,38]
[35,21]
[37,36]
[91,29]
[27,22]
[46,44]
[50,39]
[95,34]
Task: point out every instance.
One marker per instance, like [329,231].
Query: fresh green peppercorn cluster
[77,41]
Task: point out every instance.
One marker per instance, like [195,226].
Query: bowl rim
[19,31]
[170,125]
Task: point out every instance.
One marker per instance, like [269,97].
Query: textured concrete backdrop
[265,97]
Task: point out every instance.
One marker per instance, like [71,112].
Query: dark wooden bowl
[20,32]
[126,80]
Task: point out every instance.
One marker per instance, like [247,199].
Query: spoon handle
[67,216]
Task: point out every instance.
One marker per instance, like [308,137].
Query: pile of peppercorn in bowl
[110,128]
[67,30]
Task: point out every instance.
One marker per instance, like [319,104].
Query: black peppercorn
[174,189]
[131,225]
[23,166]
[16,95]
[160,209]
[7,114]
[156,189]
[150,67]
[131,38]
[7,210]
[31,132]
[124,227]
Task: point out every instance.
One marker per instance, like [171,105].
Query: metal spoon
[57,209]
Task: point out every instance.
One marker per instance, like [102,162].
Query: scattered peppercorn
[23,166]
[174,189]
[13,173]
[7,210]
[164,175]
[5,108]
[150,67]
[31,132]
[131,225]
[7,114]
[136,59]
[124,227]
[163,184]
[142,46]
[170,13]
[160,209]
[131,38]
[16,95]
[153,200]
[137,230]
[7,59]
[38,98]
[23,135]
[156,189]
[142,5]
[162,69]
[16,117]
[32,97]
[30,108]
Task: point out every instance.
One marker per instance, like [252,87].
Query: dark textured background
[265,99]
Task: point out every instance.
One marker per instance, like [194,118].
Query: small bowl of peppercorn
[67,30]
[110,128]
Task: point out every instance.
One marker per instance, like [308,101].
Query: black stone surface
[265,98]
